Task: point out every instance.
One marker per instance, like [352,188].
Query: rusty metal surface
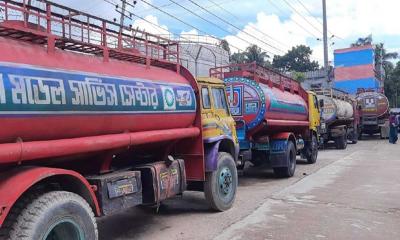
[161,181]
[117,191]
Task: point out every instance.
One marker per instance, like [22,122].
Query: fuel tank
[373,104]
[336,109]
[66,95]
[257,103]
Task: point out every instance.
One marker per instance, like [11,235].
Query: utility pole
[325,39]
[122,19]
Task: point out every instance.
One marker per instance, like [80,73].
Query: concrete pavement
[350,194]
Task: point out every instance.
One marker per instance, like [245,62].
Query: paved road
[350,194]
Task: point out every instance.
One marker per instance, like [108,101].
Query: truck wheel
[291,160]
[311,151]
[221,185]
[56,215]
[341,142]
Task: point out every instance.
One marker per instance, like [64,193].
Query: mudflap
[161,180]
[278,153]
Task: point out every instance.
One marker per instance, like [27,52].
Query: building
[355,69]
[317,79]
[200,53]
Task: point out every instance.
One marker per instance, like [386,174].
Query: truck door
[225,123]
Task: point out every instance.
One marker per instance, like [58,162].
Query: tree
[383,57]
[253,53]
[299,76]
[225,45]
[392,85]
[238,58]
[298,59]
[363,41]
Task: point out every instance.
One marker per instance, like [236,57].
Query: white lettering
[36,90]
[138,95]
[2,91]
[93,92]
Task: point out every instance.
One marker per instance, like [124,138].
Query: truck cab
[314,111]
[310,151]
[216,118]
[221,146]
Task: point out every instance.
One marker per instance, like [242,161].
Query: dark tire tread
[26,212]
[209,186]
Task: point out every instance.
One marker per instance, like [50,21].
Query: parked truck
[96,119]
[275,117]
[340,118]
[374,111]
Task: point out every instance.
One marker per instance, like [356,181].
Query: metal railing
[77,31]
[261,74]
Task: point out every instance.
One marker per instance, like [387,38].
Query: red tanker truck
[275,117]
[95,119]
[374,111]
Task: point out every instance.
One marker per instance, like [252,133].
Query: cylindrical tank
[373,104]
[256,102]
[335,109]
[47,96]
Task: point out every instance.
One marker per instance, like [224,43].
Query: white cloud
[151,25]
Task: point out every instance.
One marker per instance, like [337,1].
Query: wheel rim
[64,229]
[225,182]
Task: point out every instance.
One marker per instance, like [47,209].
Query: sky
[275,25]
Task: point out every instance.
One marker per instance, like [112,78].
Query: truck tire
[284,172]
[341,142]
[54,215]
[221,185]
[310,153]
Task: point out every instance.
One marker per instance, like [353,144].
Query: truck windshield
[205,97]
[219,99]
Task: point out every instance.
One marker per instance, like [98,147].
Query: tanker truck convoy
[275,117]
[96,119]
[374,111]
[340,118]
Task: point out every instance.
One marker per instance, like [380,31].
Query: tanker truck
[275,117]
[340,120]
[374,111]
[95,120]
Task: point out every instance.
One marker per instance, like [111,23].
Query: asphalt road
[348,194]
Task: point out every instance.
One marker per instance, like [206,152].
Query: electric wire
[163,29]
[234,26]
[294,21]
[214,24]
[317,19]
[251,26]
[196,28]
[301,15]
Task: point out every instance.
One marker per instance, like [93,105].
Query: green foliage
[392,85]
[253,53]
[363,41]
[384,57]
[299,76]
[298,59]
[225,45]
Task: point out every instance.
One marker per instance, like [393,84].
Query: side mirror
[321,103]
